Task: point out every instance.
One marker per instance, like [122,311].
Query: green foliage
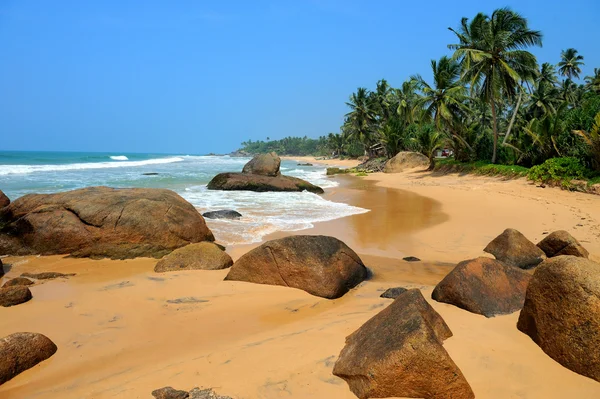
[361,174]
[558,171]
[288,146]
[480,168]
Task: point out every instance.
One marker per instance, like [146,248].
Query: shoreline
[119,337]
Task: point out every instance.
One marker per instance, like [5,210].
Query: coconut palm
[593,82]
[443,101]
[547,75]
[492,52]
[405,99]
[428,140]
[592,139]
[360,120]
[570,63]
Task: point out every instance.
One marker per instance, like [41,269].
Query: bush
[558,171]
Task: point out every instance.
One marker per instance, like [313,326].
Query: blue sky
[203,76]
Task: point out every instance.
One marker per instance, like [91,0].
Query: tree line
[490,100]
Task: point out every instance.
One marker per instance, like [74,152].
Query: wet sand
[123,330]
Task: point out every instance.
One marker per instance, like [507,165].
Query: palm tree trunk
[495,129]
[512,120]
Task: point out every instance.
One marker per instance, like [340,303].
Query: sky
[194,77]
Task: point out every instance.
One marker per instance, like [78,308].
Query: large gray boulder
[320,265]
[101,222]
[562,313]
[399,353]
[406,160]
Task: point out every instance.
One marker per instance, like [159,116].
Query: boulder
[562,243]
[406,160]
[18,281]
[169,393]
[200,256]
[263,164]
[260,183]
[393,293]
[222,214]
[320,265]
[562,313]
[4,200]
[411,259]
[399,353]
[15,295]
[515,249]
[484,286]
[47,275]
[101,222]
[21,351]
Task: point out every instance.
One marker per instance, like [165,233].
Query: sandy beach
[123,330]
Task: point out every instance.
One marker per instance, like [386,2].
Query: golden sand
[123,330]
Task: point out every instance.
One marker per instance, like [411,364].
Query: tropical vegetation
[487,101]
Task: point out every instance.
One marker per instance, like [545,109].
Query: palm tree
[359,121]
[544,133]
[547,75]
[405,99]
[592,139]
[492,53]
[593,82]
[570,63]
[336,142]
[428,140]
[443,101]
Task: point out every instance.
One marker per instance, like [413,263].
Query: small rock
[305,164]
[18,281]
[411,259]
[513,248]
[200,256]
[187,299]
[208,393]
[150,174]
[21,351]
[11,296]
[169,393]
[222,214]
[47,275]
[562,243]
[393,293]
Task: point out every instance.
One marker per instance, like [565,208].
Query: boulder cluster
[261,174]
[397,353]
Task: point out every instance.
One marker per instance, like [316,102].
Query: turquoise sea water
[264,213]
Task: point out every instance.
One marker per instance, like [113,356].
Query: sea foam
[119,158]
[26,169]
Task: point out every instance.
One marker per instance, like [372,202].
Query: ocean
[263,213]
